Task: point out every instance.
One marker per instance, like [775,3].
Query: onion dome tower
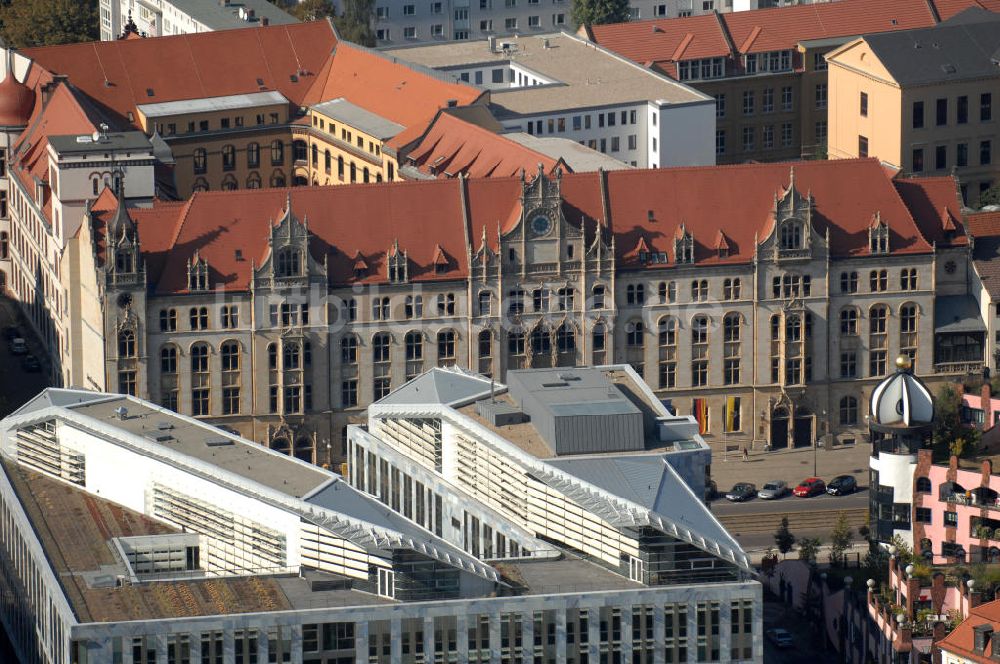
[16,99]
[900,424]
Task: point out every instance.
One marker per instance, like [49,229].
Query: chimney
[987,406]
[265,21]
[492,41]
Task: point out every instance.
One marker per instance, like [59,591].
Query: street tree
[840,539]
[26,23]
[809,548]
[355,23]
[597,12]
[783,537]
[951,436]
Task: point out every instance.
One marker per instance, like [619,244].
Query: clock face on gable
[540,224]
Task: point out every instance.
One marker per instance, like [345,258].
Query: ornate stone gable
[289,262]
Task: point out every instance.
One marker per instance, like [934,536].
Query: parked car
[31,363]
[811,486]
[741,492]
[18,346]
[11,332]
[773,489]
[711,490]
[841,485]
[782,638]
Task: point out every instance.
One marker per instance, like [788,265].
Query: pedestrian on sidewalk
[746,454]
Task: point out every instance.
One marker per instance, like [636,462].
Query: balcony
[975,367]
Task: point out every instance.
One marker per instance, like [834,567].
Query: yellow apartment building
[921,100]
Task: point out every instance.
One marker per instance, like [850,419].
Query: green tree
[809,548]
[951,436]
[990,197]
[783,537]
[356,23]
[840,539]
[26,23]
[312,10]
[597,12]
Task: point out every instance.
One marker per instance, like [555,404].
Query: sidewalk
[790,465]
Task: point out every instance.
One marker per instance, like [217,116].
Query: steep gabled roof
[407,94]
[985,229]
[664,42]
[118,74]
[729,206]
[452,146]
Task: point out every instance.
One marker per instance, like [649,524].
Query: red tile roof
[354,225]
[452,146]
[404,93]
[936,205]
[961,640]
[117,74]
[665,41]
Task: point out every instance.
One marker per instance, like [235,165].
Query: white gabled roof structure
[376,532]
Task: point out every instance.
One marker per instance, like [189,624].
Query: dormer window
[396,262]
[197,274]
[791,236]
[684,248]
[123,261]
[288,263]
[878,236]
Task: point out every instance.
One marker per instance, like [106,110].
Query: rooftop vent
[149,92]
[294,78]
[219,442]
[949,69]
[980,636]
[164,426]
[657,28]
[893,21]
[260,81]
[121,412]
[238,254]
[160,437]
[568,376]
[553,385]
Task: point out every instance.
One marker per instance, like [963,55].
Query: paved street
[17,385]
[806,649]
[793,465]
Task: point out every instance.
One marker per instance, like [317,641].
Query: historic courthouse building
[764,299]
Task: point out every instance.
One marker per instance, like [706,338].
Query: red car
[810,486]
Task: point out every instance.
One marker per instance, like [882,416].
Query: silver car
[773,489]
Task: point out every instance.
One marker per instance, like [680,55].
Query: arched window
[775,327]
[365,175]
[200,160]
[340,167]
[278,179]
[599,291]
[126,344]
[253,155]
[699,290]
[354,172]
[315,156]
[699,330]
[793,328]
[281,445]
[304,449]
[253,181]
[635,294]
[446,345]
[277,153]
[878,280]
[791,235]
[288,263]
[291,357]
[199,358]
[878,345]
[200,379]
[849,321]
[413,306]
[600,337]
[908,331]
[848,282]
[414,346]
[230,354]
[667,331]
[515,342]
[541,343]
[198,317]
[300,150]
[327,161]
[661,290]
[201,184]
[633,334]
[566,339]
[272,356]
[380,347]
[731,289]
[4,246]
[731,327]
[848,411]
[485,344]
[228,157]
[923,485]
[168,320]
[349,350]
[229,183]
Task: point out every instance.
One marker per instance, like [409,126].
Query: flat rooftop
[219,16]
[588,76]
[212,104]
[527,437]
[344,111]
[205,443]
[122,140]
[569,574]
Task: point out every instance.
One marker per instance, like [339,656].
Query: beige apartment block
[923,101]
